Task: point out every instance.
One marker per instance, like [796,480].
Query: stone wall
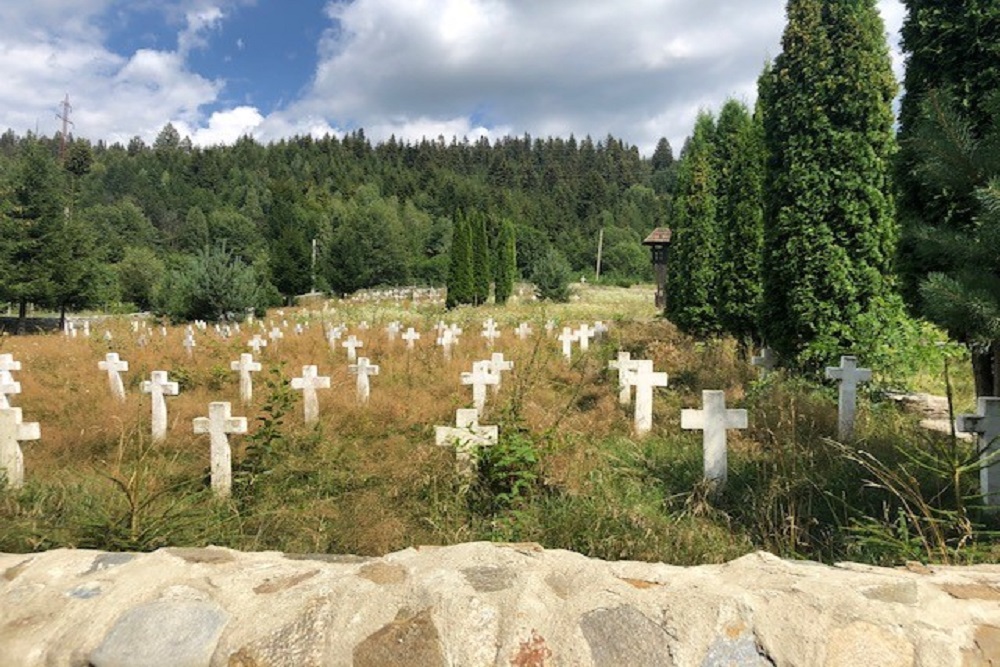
[486,604]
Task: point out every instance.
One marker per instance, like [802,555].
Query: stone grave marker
[644,379]
[585,334]
[523,331]
[490,331]
[447,341]
[625,366]
[114,368]
[219,424]
[308,384]
[189,343]
[276,334]
[14,431]
[714,420]
[498,366]
[157,387]
[411,336]
[567,337]
[363,369]
[8,386]
[392,330]
[467,437]
[86,328]
[766,361]
[480,377]
[849,376]
[985,424]
[107,336]
[256,343]
[550,326]
[246,365]
[600,328]
[352,344]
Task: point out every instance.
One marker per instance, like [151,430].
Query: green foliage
[268,440]
[552,276]
[482,270]
[829,232]
[210,285]
[139,274]
[508,473]
[691,272]
[505,263]
[460,277]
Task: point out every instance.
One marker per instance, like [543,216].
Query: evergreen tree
[952,64]
[828,229]
[460,280]
[691,273]
[506,263]
[482,270]
[740,151]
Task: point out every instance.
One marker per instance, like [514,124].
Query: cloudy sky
[218,69]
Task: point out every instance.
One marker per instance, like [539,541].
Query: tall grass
[567,472]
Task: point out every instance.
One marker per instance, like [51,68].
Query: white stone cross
[849,375]
[550,326]
[467,437]
[766,361]
[86,328]
[567,337]
[411,336]
[714,420]
[308,384]
[276,334]
[644,379]
[246,365]
[256,343]
[363,369]
[157,387]
[447,341]
[13,431]
[523,330]
[584,334]
[479,378]
[219,424]
[7,384]
[114,367]
[625,366]
[498,365]
[600,328]
[392,330]
[352,344]
[490,331]
[189,343]
[107,336]
[986,425]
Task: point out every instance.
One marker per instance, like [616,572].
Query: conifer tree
[829,229]
[460,284]
[482,272]
[506,263]
[691,273]
[740,160]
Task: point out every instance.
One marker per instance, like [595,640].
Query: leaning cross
[363,369]
[308,384]
[986,425]
[114,366]
[13,431]
[849,375]
[497,366]
[219,424]
[467,437]
[644,379]
[714,420]
[246,365]
[566,338]
[352,344]
[158,387]
[479,378]
[625,366]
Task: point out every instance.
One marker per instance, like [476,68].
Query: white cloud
[199,21]
[224,127]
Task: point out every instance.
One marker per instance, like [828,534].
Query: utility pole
[313,268]
[64,108]
[600,249]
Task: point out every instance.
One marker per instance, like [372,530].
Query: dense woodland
[135,221]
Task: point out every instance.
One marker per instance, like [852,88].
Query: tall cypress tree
[829,228]
[460,286]
[482,272]
[740,153]
[691,273]
[506,263]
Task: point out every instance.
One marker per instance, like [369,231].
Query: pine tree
[829,231]
[740,155]
[506,263]
[482,271]
[460,285]
[691,273]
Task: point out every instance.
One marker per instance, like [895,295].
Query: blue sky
[217,69]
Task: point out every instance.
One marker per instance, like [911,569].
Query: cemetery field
[568,469]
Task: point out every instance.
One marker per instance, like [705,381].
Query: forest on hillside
[92,225]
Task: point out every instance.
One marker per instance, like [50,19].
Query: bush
[552,276]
